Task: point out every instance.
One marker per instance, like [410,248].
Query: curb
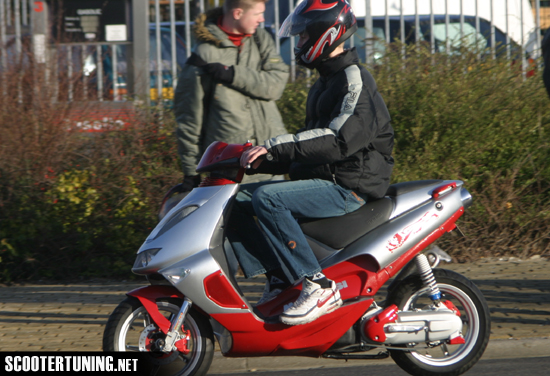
[497,349]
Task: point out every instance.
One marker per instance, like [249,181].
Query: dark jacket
[348,137]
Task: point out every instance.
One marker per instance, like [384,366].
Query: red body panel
[374,329]
[219,290]
[254,337]
[355,278]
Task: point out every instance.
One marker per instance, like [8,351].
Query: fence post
[187,28]
[158,53]
[18,48]
[277,27]
[416,25]
[493,47]
[537,30]
[292,58]
[173,45]
[3,57]
[369,37]
[140,51]
[432,23]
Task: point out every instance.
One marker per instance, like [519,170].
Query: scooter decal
[342,285]
[401,237]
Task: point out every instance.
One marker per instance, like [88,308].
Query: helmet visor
[295,23]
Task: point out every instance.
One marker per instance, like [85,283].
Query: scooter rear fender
[148,297]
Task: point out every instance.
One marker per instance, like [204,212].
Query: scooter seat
[338,232]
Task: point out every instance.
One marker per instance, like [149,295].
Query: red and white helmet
[328,23]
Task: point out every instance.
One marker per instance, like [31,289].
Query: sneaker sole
[311,316]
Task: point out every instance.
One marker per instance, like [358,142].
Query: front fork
[148,297]
[173,336]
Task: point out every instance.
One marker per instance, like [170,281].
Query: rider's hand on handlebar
[253,157]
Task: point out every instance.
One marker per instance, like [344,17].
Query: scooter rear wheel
[440,359]
[130,328]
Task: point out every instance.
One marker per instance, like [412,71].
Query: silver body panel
[394,238]
[191,235]
[185,246]
[407,201]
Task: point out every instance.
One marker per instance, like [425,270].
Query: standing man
[228,87]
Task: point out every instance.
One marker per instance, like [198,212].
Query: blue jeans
[279,242]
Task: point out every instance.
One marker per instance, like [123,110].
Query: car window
[379,42]
[471,39]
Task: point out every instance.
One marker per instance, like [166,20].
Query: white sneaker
[268,295]
[312,303]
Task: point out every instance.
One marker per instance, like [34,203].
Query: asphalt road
[490,367]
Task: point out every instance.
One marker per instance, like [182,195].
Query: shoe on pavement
[313,302]
[268,294]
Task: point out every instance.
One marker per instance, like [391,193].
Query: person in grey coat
[228,87]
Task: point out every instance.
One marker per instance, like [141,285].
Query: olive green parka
[207,110]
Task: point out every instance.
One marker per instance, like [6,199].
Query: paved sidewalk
[71,317]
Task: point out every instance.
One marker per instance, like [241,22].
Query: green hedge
[77,205]
[481,122]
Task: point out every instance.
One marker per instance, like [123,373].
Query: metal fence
[513,24]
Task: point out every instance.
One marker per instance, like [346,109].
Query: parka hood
[204,22]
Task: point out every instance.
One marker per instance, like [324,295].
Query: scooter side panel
[201,268]
[355,278]
[406,201]
[253,337]
[394,238]
[191,235]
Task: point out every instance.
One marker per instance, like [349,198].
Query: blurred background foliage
[78,205]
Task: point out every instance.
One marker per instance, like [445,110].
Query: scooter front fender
[148,296]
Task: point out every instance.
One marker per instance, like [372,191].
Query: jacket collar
[335,64]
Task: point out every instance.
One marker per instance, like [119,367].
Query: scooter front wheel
[131,328]
[442,359]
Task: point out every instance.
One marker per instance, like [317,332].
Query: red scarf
[237,39]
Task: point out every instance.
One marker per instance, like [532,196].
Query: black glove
[220,72]
[190,182]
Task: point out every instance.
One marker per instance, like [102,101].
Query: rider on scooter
[340,159]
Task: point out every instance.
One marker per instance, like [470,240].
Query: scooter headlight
[144,258]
